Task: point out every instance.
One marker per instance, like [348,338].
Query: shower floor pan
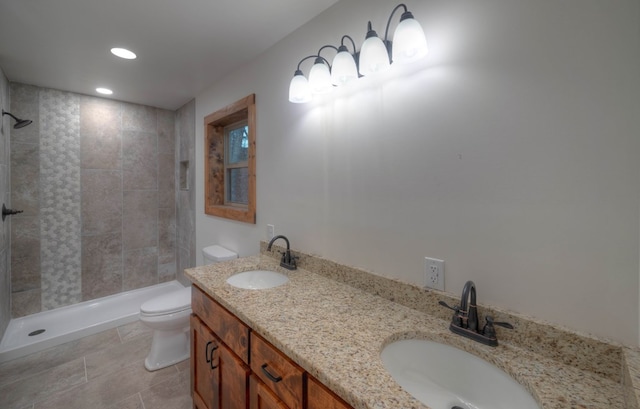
[75,321]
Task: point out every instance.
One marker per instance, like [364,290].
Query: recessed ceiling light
[105,91]
[123,53]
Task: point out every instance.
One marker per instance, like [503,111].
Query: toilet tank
[216,253]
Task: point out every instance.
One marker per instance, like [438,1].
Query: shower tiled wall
[186,222]
[5,273]
[96,179]
[60,270]
[25,195]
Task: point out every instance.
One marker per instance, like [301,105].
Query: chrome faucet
[465,318]
[287,261]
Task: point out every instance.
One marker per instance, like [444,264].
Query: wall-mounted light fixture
[345,67]
[376,55]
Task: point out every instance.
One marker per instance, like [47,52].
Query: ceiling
[183,46]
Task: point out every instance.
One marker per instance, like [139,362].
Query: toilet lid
[171,302]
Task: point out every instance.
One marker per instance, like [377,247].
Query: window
[230,178]
[236,164]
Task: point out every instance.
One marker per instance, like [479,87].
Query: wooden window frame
[214,160]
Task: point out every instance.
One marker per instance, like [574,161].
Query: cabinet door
[319,397]
[262,397]
[205,377]
[234,380]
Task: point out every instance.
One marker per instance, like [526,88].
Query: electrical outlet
[271,231]
[434,273]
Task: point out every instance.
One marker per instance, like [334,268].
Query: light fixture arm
[324,59]
[319,57]
[311,56]
[326,46]
[352,42]
[386,31]
[305,59]
[370,32]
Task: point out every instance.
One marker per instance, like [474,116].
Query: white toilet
[168,316]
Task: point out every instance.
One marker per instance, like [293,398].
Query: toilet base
[168,348]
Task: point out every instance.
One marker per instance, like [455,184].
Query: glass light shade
[409,42]
[299,90]
[373,56]
[343,68]
[320,78]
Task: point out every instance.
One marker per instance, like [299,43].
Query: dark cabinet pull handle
[275,379]
[209,354]
[206,351]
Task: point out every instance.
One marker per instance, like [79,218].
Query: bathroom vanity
[315,342]
[232,366]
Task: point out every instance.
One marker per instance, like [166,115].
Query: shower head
[20,123]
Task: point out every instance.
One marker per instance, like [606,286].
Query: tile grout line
[141,401]
[86,374]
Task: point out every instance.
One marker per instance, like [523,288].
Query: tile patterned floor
[102,371]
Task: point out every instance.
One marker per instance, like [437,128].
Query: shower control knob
[8,212]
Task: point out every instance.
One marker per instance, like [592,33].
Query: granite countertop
[336,333]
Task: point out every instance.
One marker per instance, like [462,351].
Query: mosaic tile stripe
[60,196]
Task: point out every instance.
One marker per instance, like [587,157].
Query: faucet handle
[444,304]
[456,319]
[490,321]
[489,330]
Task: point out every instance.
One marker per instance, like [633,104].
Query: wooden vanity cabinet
[228,374]
[219,378]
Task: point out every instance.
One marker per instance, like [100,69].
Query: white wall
[511,152]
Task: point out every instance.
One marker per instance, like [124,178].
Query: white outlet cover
[434,273]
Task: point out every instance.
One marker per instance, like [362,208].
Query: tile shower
[96,181]
[5,124]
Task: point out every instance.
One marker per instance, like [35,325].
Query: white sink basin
[257,279]
[443,377]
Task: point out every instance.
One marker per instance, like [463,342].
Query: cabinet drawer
[278,372]
[224,324]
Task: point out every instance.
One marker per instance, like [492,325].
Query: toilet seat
[166,304]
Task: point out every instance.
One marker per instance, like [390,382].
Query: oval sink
[257,279]
[444,377]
